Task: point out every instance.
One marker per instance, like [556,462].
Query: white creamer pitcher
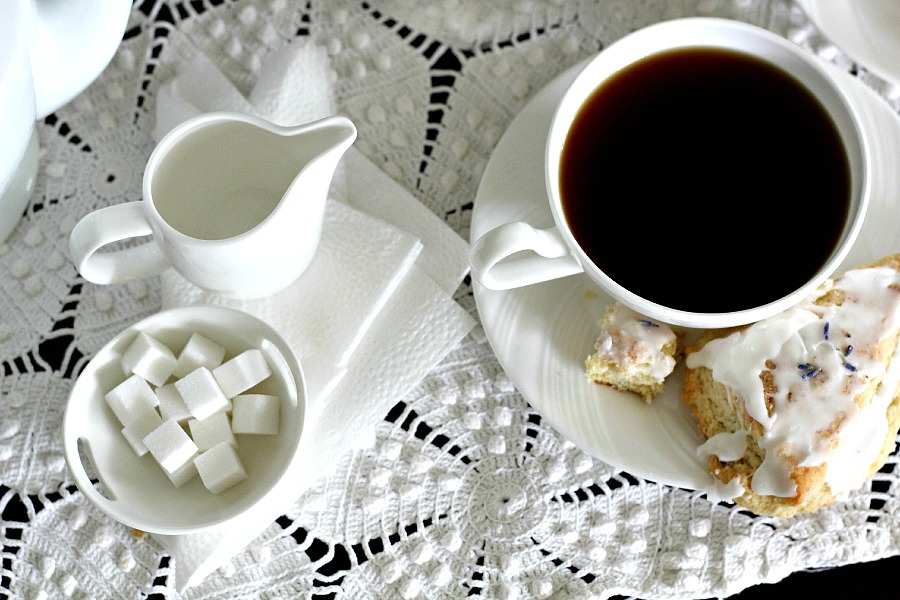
[232,202]
[50,51]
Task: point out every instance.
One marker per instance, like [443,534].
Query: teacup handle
[112,224]
[548,257]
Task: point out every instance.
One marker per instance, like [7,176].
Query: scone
[633,353]
[804,406]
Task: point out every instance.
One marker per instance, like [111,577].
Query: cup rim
[857,149]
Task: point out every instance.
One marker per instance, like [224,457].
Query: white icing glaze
[823,358]
[863,436]
[727,445]
[726,492]
[630,340]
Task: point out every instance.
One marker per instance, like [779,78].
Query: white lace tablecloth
[426,511]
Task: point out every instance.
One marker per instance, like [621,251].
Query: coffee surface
[705,180]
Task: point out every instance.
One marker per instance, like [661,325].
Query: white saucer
[542,334]
[867,30]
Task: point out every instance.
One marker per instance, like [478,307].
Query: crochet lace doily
[466,490]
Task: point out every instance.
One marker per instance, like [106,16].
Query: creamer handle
[112,224]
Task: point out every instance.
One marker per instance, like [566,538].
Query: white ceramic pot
[50,51]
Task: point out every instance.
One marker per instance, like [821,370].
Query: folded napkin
[326,312]
[371,316]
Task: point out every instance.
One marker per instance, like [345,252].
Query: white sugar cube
[200,351]
[255,413]
[131,398]
[184,474]
[220,468]
[171,446]
[202,394]
[149,358]
[211,431]
[171,405]
[138,429]
[242,372]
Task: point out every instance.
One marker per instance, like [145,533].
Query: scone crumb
[632,353]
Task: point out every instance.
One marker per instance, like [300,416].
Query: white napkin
[445,257]
[199,87]
[369,319]
[326,312]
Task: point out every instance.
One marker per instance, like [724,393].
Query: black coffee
[705,180]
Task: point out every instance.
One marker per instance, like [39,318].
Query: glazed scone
[802,407]
[632,353]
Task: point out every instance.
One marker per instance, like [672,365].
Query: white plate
[542,334]
[867,30]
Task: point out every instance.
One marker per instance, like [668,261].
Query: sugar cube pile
[188,410]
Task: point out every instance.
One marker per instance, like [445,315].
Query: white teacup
[232,202]
[603,228]
[49,53]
